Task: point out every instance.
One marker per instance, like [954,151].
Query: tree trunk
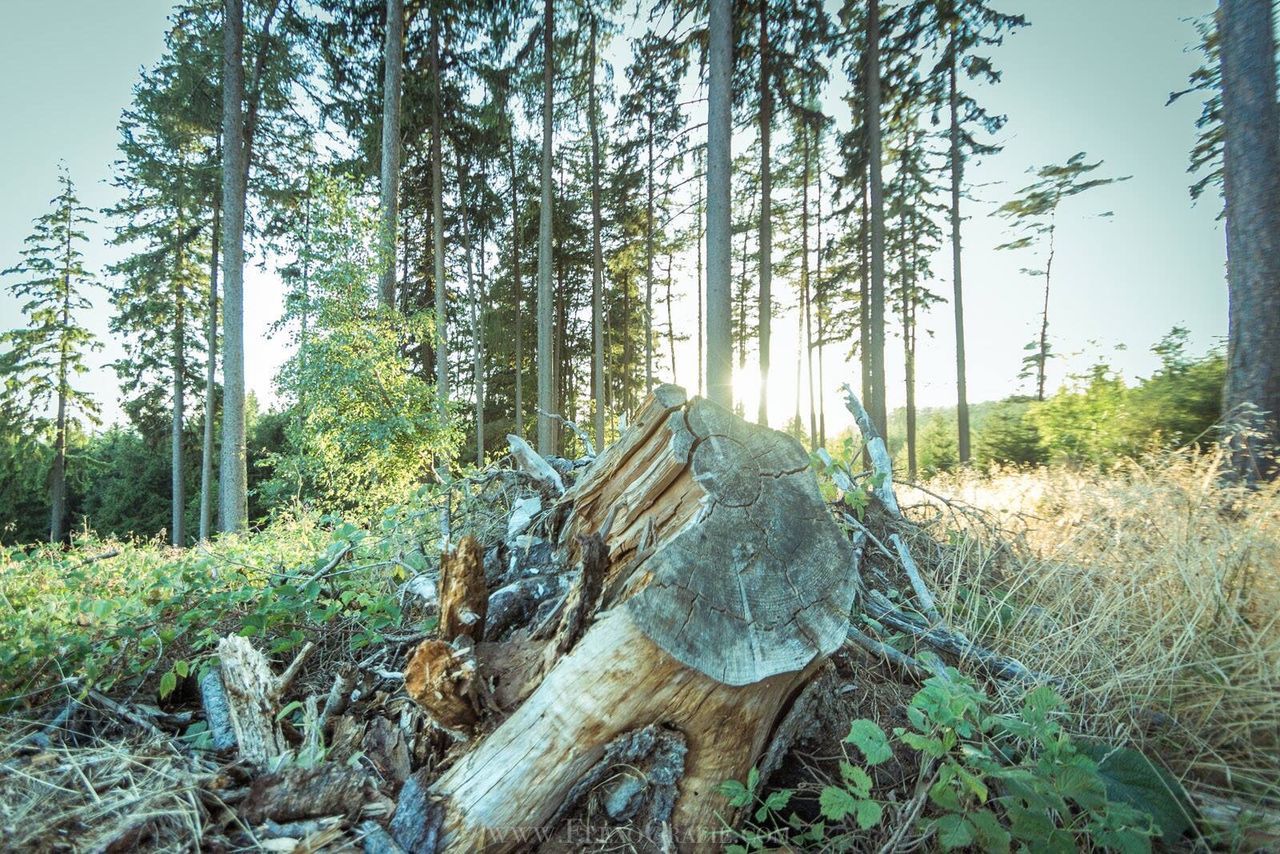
[719,214]
[909,347]
[648,262]
[393,71]
[233,483]
[210,375]
[473,311]
[714,656]
[671,323]
[957,175]
[178,480]
[820,293]
[1043,359]
[876,402]
[864,291]
[597,256]
[1251,173]
[766,216]
[515,276]
[437,230]
[806,340]
[58,472]
[701,320]
[546,387]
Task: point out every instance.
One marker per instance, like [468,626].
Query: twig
[928,606]
[577,431]
[291,672]
[880,608]
[875,647]
[877,451]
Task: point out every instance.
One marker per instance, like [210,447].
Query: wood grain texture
[723,584]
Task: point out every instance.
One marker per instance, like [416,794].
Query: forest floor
[1151,590]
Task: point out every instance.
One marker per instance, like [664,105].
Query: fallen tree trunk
[722,585]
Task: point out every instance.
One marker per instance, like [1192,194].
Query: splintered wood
[714,584]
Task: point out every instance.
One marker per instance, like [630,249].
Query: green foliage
[1009,438]
[40,360]
[364,426]
[149,616]
[993,781]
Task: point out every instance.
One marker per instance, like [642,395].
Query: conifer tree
[40,360]
[1033,214]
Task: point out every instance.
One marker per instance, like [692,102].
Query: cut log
[725,585]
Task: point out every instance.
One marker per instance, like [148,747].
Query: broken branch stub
[725,585]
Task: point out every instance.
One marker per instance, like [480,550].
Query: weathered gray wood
[217,714]
[759,582]
[881,462]
[251,700]
[724,582]
[534,465]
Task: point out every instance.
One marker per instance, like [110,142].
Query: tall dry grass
[1153,588]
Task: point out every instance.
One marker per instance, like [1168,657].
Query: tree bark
[597,256]
[876,402]
[957,175]
[766,216]
[648,258]
[211,372]
[1251,175]
[519,289]
[473,300]
[58,473]
[719,213]
[233,483]
[806,340]
[701,299]
[716,655]
[546,380]
[393,71]
[178,480]
[437,230]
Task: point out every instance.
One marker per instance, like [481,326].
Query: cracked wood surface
[725,584]
[721,545]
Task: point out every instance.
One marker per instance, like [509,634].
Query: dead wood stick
[122,711]
[331,565]
[95,558]
[900,659]
[587,444]
[291,672]
[534,465]
[339,695]
[880,608]
[877,452]
[928,606]
[217,712]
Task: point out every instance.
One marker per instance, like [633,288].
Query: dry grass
[1154,588]
[75,792]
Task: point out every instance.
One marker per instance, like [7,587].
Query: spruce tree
[40,360]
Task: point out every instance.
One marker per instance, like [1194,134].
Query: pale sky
[1088,75]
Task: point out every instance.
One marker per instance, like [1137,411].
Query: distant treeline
[118,487]
[1096,419]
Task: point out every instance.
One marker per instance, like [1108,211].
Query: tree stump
[725,585]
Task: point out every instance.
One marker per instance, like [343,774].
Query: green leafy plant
[989,781]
